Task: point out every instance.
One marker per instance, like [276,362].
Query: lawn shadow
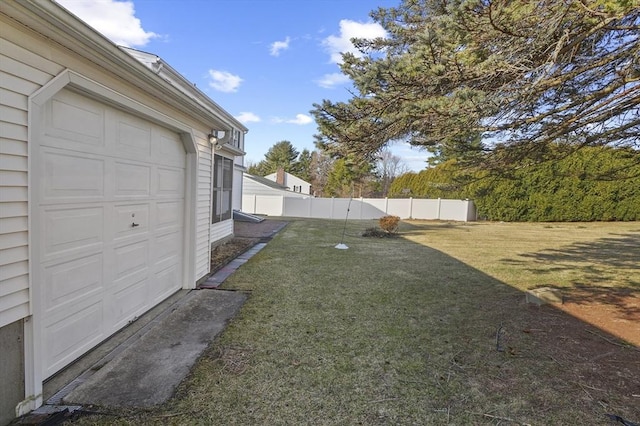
[620,251]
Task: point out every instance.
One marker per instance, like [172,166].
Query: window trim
[221,189]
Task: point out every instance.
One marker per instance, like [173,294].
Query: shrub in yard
[389,223]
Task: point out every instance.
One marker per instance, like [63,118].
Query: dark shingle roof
[266,182]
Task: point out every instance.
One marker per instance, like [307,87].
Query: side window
[236,139]
[222,188]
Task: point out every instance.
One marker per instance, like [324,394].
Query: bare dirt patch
[597,370]
[614,310]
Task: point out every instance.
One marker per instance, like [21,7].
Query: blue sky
[264,61]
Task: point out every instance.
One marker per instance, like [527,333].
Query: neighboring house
[292,182]
[256,190]
[112,191]
[255,185]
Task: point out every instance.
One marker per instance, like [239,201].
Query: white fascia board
[191,90]
[163,69]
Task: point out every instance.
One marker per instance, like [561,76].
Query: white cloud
[224,81]
[301,120]
[115,20]
[247,117]
[329,81]
[336,45]
[277,46]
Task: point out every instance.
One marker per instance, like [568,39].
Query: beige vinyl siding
[203,208]
[221,230]
[21,74]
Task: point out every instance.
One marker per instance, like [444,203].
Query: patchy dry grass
[427,329]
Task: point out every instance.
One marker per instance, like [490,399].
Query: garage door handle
[133,225]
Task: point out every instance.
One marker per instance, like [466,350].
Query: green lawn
[427,328]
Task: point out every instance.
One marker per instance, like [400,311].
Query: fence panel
[296,207]
[373,208]
[453,210]
[321,208]
[401,207]
[359,208]
[426,209]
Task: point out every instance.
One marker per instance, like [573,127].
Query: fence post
[439,206]
[410,207]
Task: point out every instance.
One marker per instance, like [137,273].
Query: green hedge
[593,184]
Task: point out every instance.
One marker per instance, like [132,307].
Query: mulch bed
[223,254]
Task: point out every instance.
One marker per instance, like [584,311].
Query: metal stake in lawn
[343,246]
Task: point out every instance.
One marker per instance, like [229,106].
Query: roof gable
[265,182]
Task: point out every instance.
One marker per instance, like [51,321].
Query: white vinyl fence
[359,208]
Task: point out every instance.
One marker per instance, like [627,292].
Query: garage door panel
[126,215]
[167,246]
[69,338]
[130,302]
[170,182]
[167,148]
[132,180]
[165,281]
[132,137]
[74,118]
[131,258]
[72,229]
[69,175]
[68,282]
[169,214]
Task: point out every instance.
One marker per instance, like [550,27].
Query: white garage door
[109,224]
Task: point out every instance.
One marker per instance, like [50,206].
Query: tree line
[332,177]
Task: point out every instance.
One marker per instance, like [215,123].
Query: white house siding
[251,187]
[293,182]
[21,74]
[221,230]
[203,210]
[238,172]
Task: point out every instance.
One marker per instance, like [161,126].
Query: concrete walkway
[145,368]
[148,371]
